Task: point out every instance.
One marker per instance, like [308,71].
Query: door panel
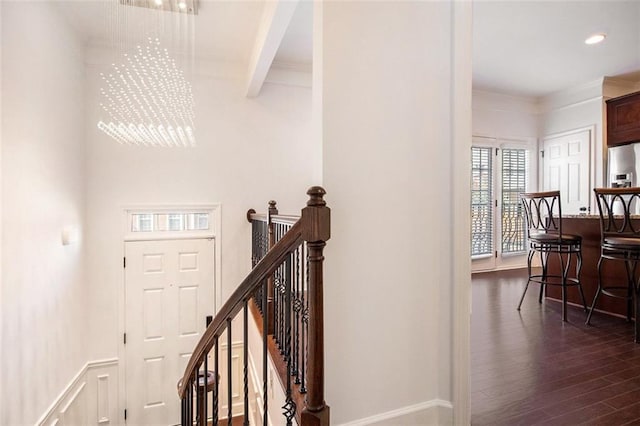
[567,169]
[168,295]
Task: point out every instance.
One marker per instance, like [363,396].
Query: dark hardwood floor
[529,367]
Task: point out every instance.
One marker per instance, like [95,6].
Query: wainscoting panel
[237,384]
[103,398]
[89,399]
[74,411]
[275,390]
[102,380]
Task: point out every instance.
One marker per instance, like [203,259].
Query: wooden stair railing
[286,286]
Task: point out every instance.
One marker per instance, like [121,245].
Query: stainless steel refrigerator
[623,170]
[624,166]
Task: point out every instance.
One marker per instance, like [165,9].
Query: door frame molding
[592,156]
[215,211]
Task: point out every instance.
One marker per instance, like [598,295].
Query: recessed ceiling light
[158,2]
[595,39]
[182,5]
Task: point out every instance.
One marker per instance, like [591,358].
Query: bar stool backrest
[543,213]
[617,208]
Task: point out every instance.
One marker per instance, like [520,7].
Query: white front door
[566,168]
[169,287]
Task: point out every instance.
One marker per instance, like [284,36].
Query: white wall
[44,307]
[388,131]
[248,152]
[505,119]
[502,116]
[576,108]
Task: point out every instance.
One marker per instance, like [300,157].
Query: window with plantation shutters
[515,167]
[481,201]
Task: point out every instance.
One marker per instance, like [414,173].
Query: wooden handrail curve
[267,266]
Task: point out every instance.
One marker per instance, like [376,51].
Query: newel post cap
[316,216]
[316,196]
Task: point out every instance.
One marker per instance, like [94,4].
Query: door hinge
[125,414]
[496,203]
[496,253]
[124,262]
[497,151]
[542,153]
[125,338]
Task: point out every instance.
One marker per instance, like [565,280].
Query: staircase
[283,294]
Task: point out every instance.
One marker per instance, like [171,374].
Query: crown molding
[576,95]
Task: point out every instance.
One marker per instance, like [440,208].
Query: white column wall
[387,113]
[44,311]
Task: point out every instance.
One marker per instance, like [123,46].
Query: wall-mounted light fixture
[595,38]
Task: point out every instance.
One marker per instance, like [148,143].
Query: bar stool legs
[544,278]
[630,268]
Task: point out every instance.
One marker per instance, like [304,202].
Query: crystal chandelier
[146,98]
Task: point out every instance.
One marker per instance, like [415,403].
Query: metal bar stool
[620,241]
[543,213]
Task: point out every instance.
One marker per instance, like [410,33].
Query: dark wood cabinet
[623,119]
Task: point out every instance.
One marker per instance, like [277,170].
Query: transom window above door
[170,221]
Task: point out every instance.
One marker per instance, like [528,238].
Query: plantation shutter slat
[515,167]
[481,201]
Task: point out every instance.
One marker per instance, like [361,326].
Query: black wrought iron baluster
[216,387]
[254,243]
[289,406]
[265,249]
[283,311]
[205,399]
[193,380]
[276,303]
[185,407]
[245,360]
[304,319]
[278,291]
[183,412]
[229,375]
[265,326]
[198,398]
[296,322]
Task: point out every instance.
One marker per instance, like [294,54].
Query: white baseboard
[90,398]
[428,413]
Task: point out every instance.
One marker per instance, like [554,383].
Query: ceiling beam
[274,24]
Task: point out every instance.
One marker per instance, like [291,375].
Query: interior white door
[567,169]
[169,291]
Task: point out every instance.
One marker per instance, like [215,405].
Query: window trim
[214,211]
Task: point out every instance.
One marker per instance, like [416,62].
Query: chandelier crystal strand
[146,98]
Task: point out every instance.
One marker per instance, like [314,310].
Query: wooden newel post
[316,218]
[272,211]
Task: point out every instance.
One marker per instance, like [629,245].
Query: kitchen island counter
[588,227]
